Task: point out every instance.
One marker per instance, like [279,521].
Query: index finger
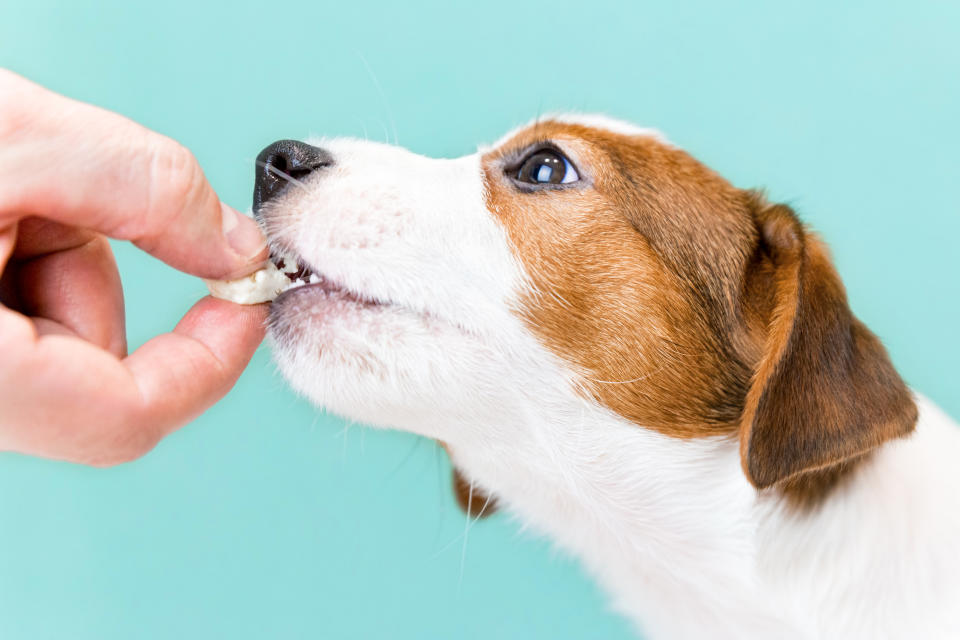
[84,166]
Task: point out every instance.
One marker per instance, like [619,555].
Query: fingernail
[243,234]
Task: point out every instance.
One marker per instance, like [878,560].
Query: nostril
[285,162]
[302,171]
[277,164]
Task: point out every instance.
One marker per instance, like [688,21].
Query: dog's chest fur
[695,552]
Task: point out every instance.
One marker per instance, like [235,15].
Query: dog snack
[281,273]
[261,286]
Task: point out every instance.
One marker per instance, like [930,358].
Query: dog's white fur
[672,528]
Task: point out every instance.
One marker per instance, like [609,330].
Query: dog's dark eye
[547,167]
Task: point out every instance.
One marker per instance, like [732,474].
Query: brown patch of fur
[693,308]
[471,499]
[636,278]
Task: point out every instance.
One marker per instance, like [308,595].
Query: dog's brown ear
[824,391]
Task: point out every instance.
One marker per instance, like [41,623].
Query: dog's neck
[687,547]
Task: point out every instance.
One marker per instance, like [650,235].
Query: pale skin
[71,176]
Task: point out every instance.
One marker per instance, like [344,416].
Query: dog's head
[582,253]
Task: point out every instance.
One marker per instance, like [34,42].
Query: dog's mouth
[303,277]
[296,271]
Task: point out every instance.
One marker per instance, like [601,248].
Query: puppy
[656,369]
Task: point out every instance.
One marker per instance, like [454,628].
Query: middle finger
[69,276]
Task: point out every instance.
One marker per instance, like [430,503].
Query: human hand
[70,176]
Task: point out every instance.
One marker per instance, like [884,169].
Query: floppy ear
[824,391]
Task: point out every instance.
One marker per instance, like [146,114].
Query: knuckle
[175,180]
[17,106]
[176,171]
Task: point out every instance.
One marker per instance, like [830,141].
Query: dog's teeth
[314,278]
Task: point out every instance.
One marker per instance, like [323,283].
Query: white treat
[261,286]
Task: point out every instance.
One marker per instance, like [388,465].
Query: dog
[654,368]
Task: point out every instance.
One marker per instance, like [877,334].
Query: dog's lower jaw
[688,549]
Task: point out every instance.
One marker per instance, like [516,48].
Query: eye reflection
[547,166]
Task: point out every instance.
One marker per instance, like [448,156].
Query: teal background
[268,519]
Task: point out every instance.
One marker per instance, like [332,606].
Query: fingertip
[246,238]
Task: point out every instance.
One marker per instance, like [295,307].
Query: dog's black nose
[285,162]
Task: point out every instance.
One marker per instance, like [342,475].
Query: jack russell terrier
[654,368]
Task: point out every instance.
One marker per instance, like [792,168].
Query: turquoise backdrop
[268,519]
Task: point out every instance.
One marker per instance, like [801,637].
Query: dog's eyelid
[513,162]
[513,158]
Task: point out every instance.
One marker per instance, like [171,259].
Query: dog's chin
[346,354]
[377,363]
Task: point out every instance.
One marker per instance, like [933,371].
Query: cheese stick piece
[260,286]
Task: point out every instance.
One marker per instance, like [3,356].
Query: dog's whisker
[438,467]
[344,434]
[363,125]
[631,381]
[281,174]
[406,458]
[483,509]
[466,535]
[449,544]
[386,132]
[383,98]
[563,301]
